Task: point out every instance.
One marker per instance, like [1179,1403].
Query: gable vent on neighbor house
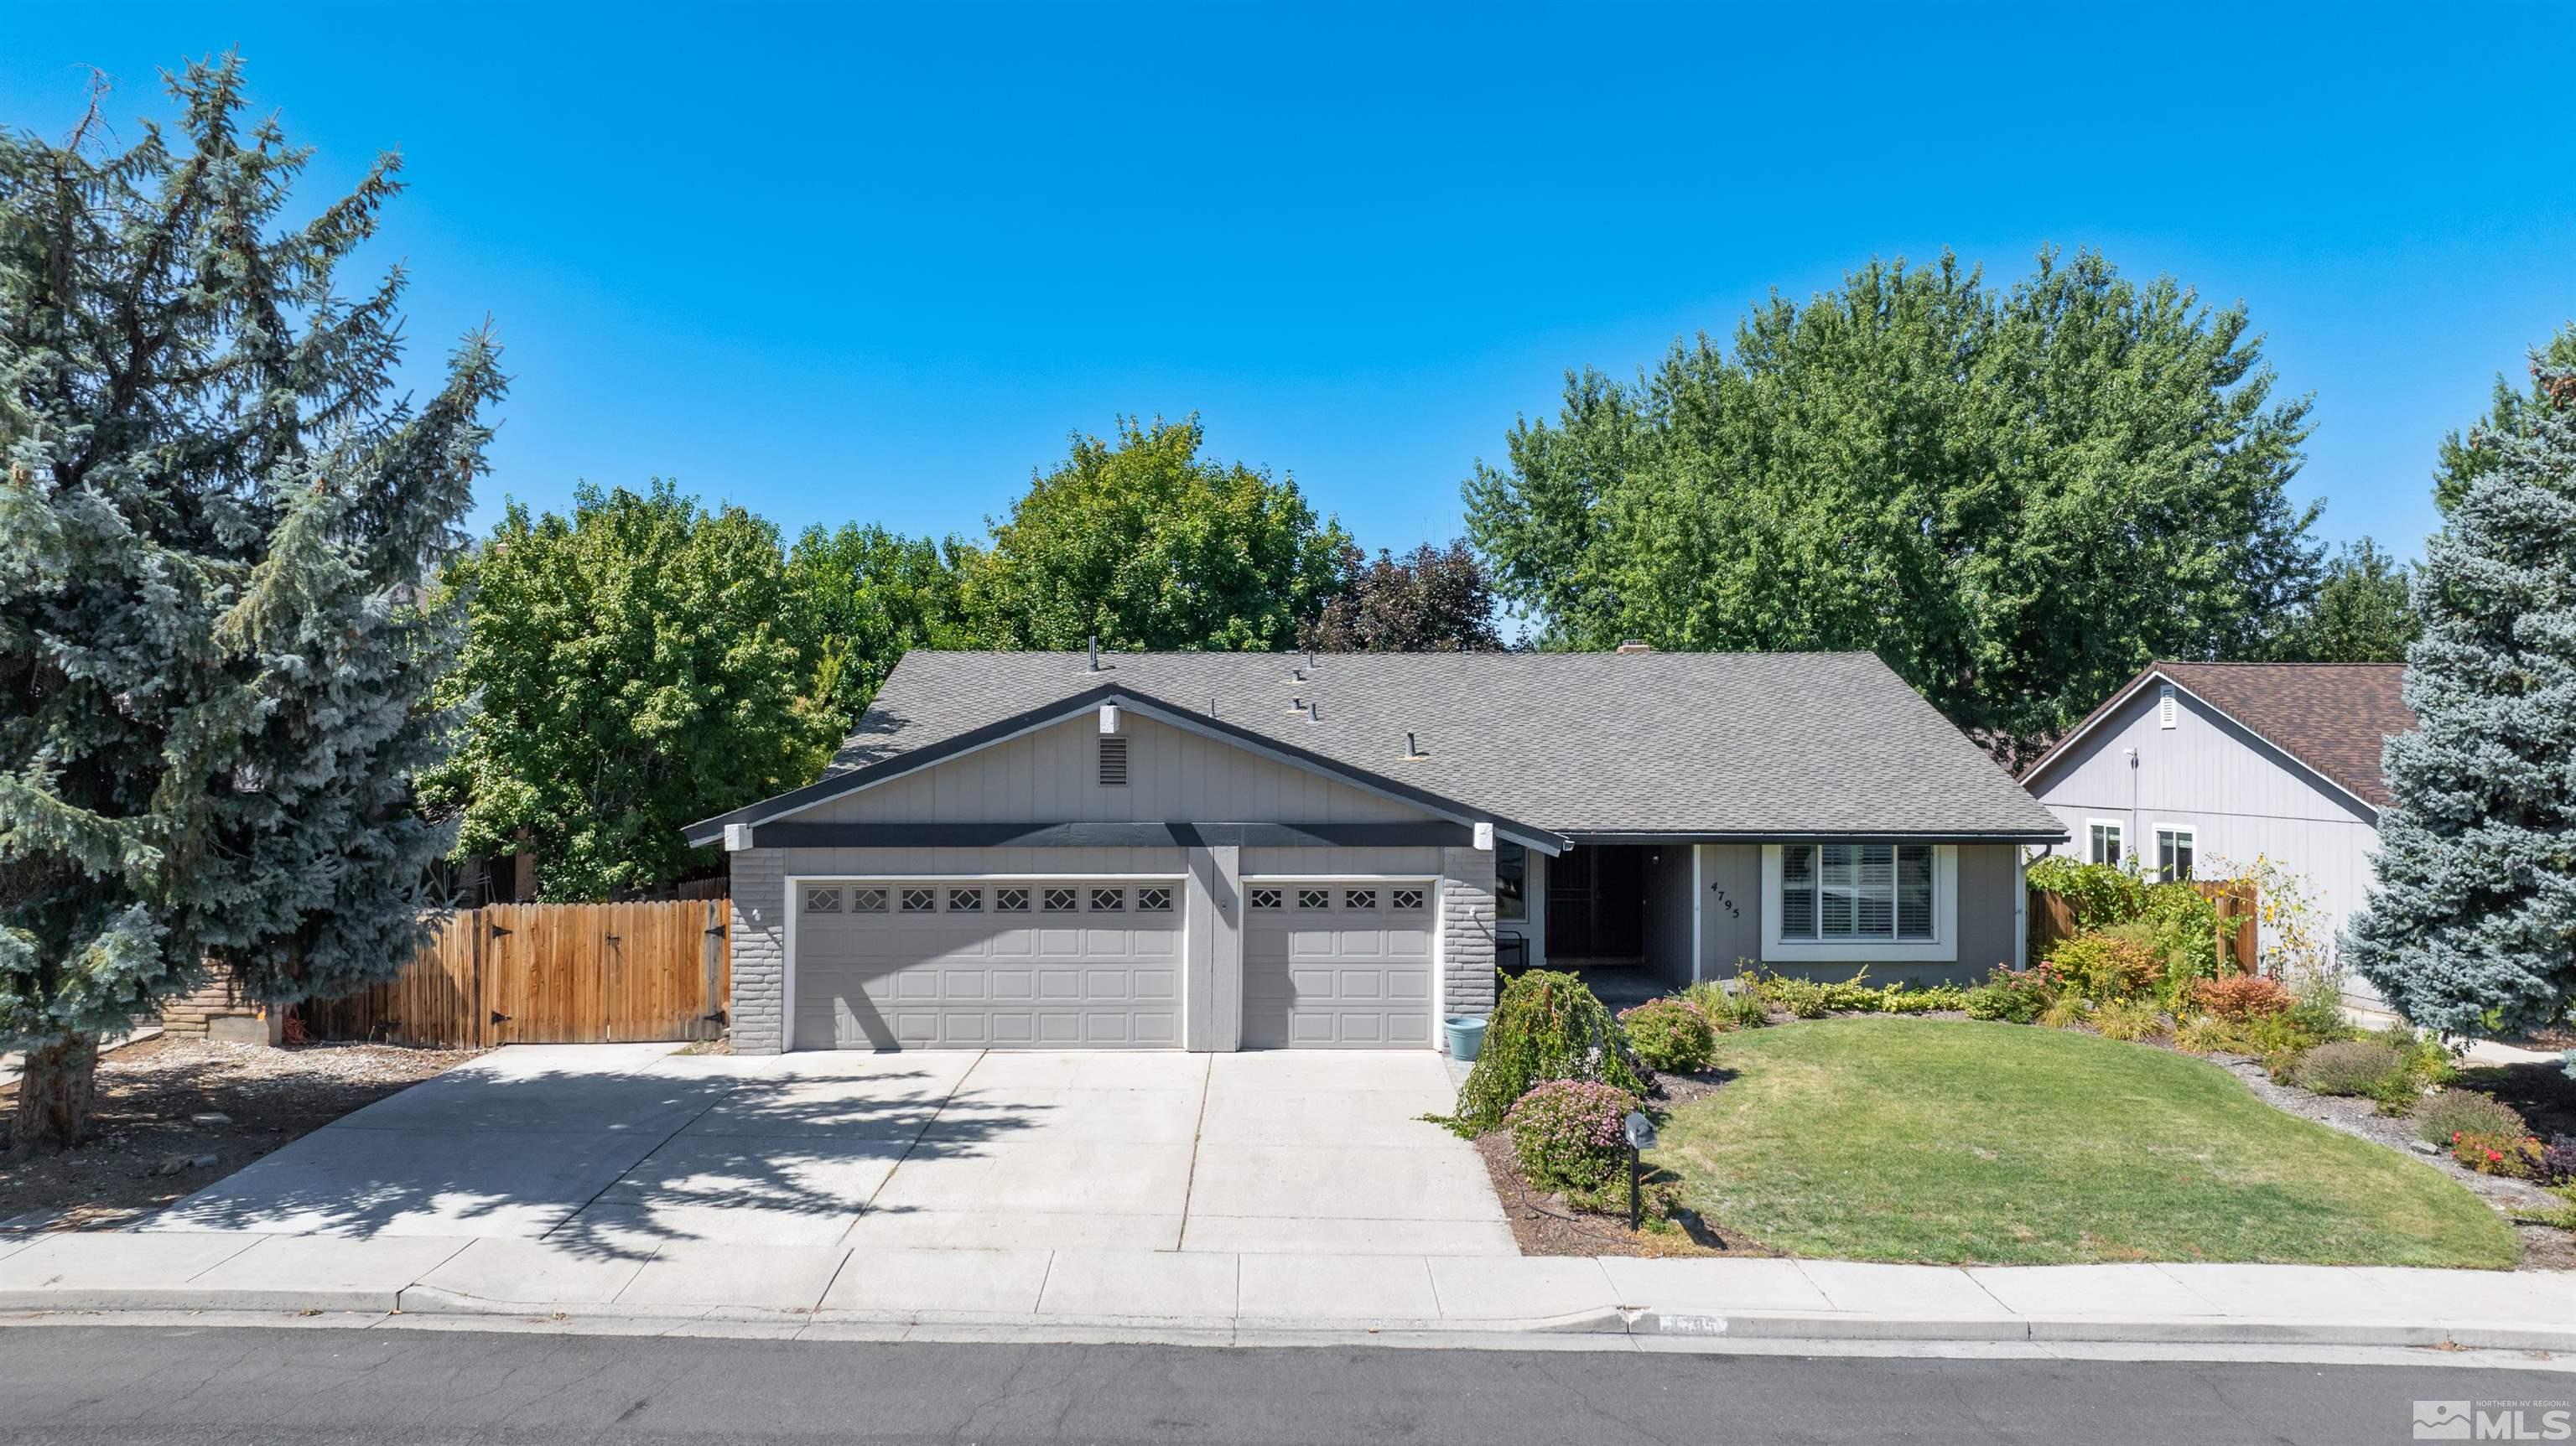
[2167,710]
[1113,761]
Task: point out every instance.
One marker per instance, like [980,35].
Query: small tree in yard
[213,527]
[2471,925]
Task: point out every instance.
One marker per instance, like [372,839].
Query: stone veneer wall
[756,931]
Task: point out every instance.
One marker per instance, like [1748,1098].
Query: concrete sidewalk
[1170,1294]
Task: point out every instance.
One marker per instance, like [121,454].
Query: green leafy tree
[216,516]
[633,667]
[2361,613]
[1431,600]
[1142,544]
[863,597]
[2467,456]
[2016,499]
[2471,922]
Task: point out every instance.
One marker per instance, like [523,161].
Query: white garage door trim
[1436,991]
[795,885]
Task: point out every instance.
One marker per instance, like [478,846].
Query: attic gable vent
[1113,761]
[2167,710]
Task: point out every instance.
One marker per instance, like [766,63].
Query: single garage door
[1338,964]
[962,964]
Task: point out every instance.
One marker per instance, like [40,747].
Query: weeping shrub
[1546,1026]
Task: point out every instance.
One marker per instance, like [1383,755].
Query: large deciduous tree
[864,596]
[2361,613]
[1431,600]
[633,668]
[2016,499]
[1142,544]
[2471,921]
[214,525]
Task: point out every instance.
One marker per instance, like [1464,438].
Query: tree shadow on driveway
[607,1162]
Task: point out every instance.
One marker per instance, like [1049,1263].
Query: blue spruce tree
[215,524]
[2471,925]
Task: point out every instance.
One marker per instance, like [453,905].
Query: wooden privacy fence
[2052,917]
[549,974]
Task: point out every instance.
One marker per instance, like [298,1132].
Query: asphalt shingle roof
[1721,743]
[2330,716]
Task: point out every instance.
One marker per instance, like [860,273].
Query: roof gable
[2332,718]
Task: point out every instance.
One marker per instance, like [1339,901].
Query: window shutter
[1113,761]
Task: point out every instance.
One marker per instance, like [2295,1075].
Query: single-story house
[1219,851]
[2192,762]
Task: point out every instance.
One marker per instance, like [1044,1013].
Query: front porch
[1619,915]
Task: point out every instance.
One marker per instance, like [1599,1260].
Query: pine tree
[2471,924]
[214,530]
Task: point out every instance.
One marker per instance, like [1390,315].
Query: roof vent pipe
[1310,657]
[1296,705]
[1411,748]
[1095,652]
[1314,711]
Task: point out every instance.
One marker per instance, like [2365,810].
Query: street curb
[430,1302]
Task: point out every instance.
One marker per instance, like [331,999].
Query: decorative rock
[211,1117]
[176,1163]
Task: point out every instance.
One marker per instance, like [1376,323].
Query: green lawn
[1942,1140]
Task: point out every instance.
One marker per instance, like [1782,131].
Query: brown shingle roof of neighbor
[2330,716]
[1716,743]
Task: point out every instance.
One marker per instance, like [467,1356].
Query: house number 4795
[1726,903]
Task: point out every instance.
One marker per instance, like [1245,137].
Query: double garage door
[1097,963]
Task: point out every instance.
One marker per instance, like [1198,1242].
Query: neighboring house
[2231,761]
[1215,851]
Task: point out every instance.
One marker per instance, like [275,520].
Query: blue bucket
[1466,1036]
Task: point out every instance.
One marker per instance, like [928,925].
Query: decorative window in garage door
[1153,899]
[867,901]
[1268,899]
[823,901]
[1010,901]
[920,901]
[1405,899]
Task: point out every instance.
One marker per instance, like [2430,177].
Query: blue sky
[875,263]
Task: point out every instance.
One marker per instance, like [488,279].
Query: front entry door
[1596,903]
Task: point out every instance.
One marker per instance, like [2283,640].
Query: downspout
[2021,908]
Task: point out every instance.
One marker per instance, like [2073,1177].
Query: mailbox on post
[1641,1137]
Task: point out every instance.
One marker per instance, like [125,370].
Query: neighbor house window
[2103,846]
[1511,881]
[1856,891]
[2174,848]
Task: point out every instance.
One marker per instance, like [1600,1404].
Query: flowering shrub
[1670,1034]
[2456,1112]
[2016,995]
[2241,997]
[1566,1133]
[2105,967]
[2515,1155]
[1546,1026]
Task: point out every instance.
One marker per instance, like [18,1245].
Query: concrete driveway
[628,1148]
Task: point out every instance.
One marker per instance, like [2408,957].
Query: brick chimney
[1636,645]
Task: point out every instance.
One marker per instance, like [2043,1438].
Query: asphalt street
[71,1385]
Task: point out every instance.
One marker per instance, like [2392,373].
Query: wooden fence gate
[549,974]
[2052,917]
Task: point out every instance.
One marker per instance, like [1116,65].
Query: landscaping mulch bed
[2544,1094]
[1544,1222]
[146,1149]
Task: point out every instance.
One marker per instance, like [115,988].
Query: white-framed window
[2176,844]
[1860,902]
[2105,841]
[1879,892]
[2168,708]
